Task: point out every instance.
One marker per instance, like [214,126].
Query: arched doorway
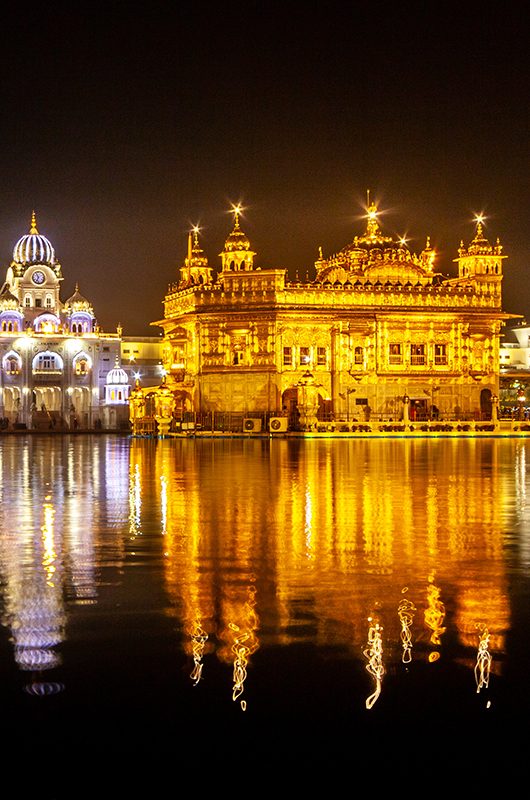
[290,406]
[182,404]
[485,403]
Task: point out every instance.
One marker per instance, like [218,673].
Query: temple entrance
[182,404]
[485,404]
[290,406]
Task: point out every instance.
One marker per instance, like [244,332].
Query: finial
[33,228]
[237,212]
[77,287]
[320,252]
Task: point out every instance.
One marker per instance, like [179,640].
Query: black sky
[123,124]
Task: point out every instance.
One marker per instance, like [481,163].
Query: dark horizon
[133,125]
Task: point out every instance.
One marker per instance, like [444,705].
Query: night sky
[124,124]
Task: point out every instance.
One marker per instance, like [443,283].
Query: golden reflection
[163,502]
[199,638]
[406,609]
[244,642]
[434,616]
[374,653]
[483,665]
[324,526]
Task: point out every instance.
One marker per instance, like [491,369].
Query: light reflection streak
[308,520]
[434,616]
[49,554]
[245,643]
[163,502]
[199,638]
[135,502]
[483,665]
[374,653]
[406,611]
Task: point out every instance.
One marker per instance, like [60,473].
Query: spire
[237,212]
[33,227]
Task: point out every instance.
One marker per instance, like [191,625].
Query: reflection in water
[434,617]
[483,665]
[199,638]
[374,653]
[257,546]
[406,611]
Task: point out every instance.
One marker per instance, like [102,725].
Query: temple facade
[377,333]
[59,370]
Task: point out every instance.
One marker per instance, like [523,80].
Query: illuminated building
[54,357]
[377,333]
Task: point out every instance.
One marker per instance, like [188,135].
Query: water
[184,594]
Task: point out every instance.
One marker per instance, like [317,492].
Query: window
[12,365]
[81,366]
[417,354]
[47,362]
[38,302]
[358,355]
[395,354]
[322,356]
[304,356]
[440,354]
[27,301]
[48,301]
[287,357]
[238,357]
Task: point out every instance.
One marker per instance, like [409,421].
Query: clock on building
[38,277]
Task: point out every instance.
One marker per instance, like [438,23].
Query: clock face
[38,277]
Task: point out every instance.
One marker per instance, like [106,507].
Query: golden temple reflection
[374,653]
[373,510]
[406,609]
[483,665]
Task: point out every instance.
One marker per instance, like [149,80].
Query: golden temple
[377,335]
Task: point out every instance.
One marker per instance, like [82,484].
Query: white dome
[117,375]
[33,248]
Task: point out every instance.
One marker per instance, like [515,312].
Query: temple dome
[237,239]
[117,375]
[34,248]
[77,302]
[8,299]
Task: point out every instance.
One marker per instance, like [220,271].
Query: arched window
[12,365]
[358,355]
[47,362]
[49,301]
[81,366]
[27,300]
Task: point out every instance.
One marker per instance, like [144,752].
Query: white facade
[54,359]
